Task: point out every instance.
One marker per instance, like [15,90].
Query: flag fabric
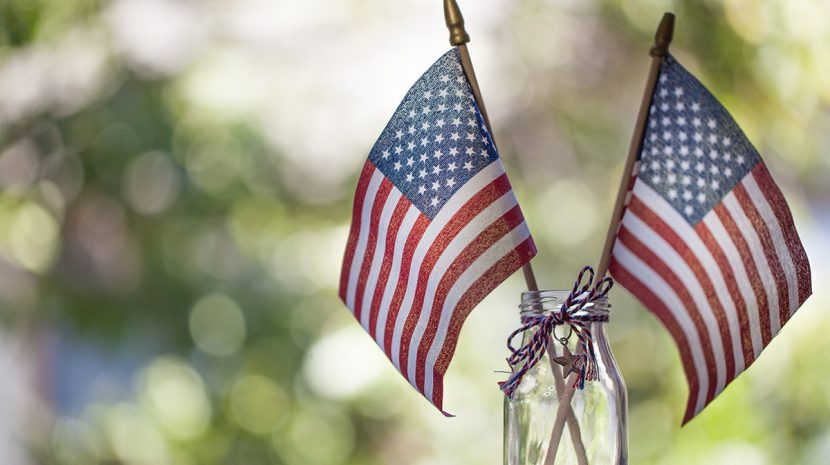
[707,241]
[435,227]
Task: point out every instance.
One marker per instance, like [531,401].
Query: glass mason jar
[600,410]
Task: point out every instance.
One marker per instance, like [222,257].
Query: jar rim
[546,301]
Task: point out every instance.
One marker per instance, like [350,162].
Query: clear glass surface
[600,409]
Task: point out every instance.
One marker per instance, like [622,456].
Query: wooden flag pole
[662,40]
[459,38]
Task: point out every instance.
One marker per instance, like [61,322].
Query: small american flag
[435,227]
[707,241]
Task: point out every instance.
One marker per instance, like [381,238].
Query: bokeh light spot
[258,404]
[151,183]
[176,395]
[217,325]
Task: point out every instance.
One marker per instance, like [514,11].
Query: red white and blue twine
[524,358]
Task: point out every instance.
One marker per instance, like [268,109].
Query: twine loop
[570,313]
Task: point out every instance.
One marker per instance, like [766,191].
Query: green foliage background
[177,179]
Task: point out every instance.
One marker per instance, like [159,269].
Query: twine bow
[524,358]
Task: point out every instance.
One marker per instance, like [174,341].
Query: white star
[701,197]
[440,123]
[654,150]
[682,136]
[411,129]
[711,123]
[398,166]
[715,185]
[468,166]
[439,138]
[422,174]
[679,106]
[666,135]
[688,210]
[445,78]
[484,153]
[454,136]
[695,107]
[713,154]
[655,179]
[410,161]
[435,185]
[686,180]
[664,106]
[424,142]
[684,150]
[653,136]
[422,189]
[668,150]
[700,167]
[456,122]
[458,107]
[727,141]
[678,91]
[672,194]
[471,136]
[434,201]
[727,172]
[484,140]
[460,79]
[696,121]
[739,160]
[700,182]
[412,113]
[655,165]
[437,154]
[459,93]
[665,121]
[727,156]
[681,120]
[470,151]
[409,177]
[424,157]
[451,182]
[698,137]
[453,151]
[684,165]
[425,110]
[671,179]
[442,108]
[452,167]
[687,195]
[713,139]
[436,169]
[398,134]
[443,93]
[471,122]
[698,152]
[410,145]
[663,92]
[425,126]
[385,154]
[670,164]
[428,95]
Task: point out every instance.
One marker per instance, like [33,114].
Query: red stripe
[653,303]
[751,270]
[374,225]
[418,230]
[732,285]
[785,219]
[664,271]
[354,232]
[495,231]
[760,227]
[478,202]
[391,237]
[494,276]
[665,231]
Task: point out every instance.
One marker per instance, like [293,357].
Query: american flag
[707,241]
[435,227]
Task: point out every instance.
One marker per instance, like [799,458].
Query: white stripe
[730,250]
[473,186]
[471,275]
[655,283]
[363,237]
[464,237]
[756,249]
[690,237]
[678,265]
[408,222]
[377,258]
[778,239]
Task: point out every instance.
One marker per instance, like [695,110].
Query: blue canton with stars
[693,152]
[437,140]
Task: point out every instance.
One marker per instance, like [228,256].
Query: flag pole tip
[455,23]
[664,35]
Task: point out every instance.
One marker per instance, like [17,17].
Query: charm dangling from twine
[570,313]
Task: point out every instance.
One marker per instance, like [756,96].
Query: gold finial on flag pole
[662,40]
[455,23]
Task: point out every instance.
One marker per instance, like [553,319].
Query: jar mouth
[547,301]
